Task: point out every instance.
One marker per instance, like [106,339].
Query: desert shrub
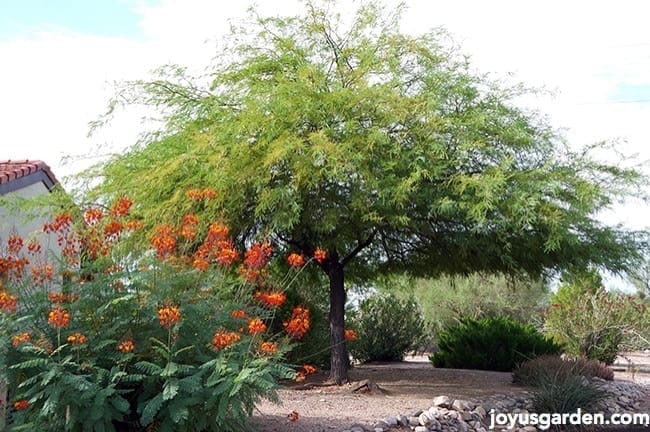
[593,323]
[186,336]
[386,328]
[532,372]
[447,299]
[495,343]
[565,393]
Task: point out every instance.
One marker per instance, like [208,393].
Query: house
[26,177]
[22,179]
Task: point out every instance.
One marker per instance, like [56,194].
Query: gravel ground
[405,387]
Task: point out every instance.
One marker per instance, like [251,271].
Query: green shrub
[593,323]
[387,328]
[495,343]
[533,371]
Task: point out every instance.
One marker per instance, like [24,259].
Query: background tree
[447,300]
[385,150]
[640,278]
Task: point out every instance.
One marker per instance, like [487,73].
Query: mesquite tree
[384,149]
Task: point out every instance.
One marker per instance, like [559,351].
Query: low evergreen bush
[494,343]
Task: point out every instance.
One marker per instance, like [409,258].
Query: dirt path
[405,387]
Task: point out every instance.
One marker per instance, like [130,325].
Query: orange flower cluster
[303,372]
[269,348]
[134,225]
[7,302]
[320,255]
[41,274]
[350,335]
[270,298]
[164,240]
[256,326]
[112,230]
[33,247]
[188,228]
[67,240]
[215,247]
[256,258]
[258,255]
[238,314]
[21,405]
[296,260]
[58,318]
[93,215]
[169,315]
[61,224]
[299,323]
[77,339]
[14,244]
[201,194]
[121,207]
[20,339]
[56,297]
[223,340]
[13,268]
[126,346]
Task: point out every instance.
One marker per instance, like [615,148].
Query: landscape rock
[442,401]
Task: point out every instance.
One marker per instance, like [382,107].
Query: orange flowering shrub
[350,335]
[197,308]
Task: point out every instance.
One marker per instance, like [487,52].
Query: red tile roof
[12,170]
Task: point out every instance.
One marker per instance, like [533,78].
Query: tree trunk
[339,352]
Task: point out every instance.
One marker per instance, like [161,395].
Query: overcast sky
[59,58]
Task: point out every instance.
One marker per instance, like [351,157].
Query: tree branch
[360,246]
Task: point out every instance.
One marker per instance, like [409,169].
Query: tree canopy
[384,149]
